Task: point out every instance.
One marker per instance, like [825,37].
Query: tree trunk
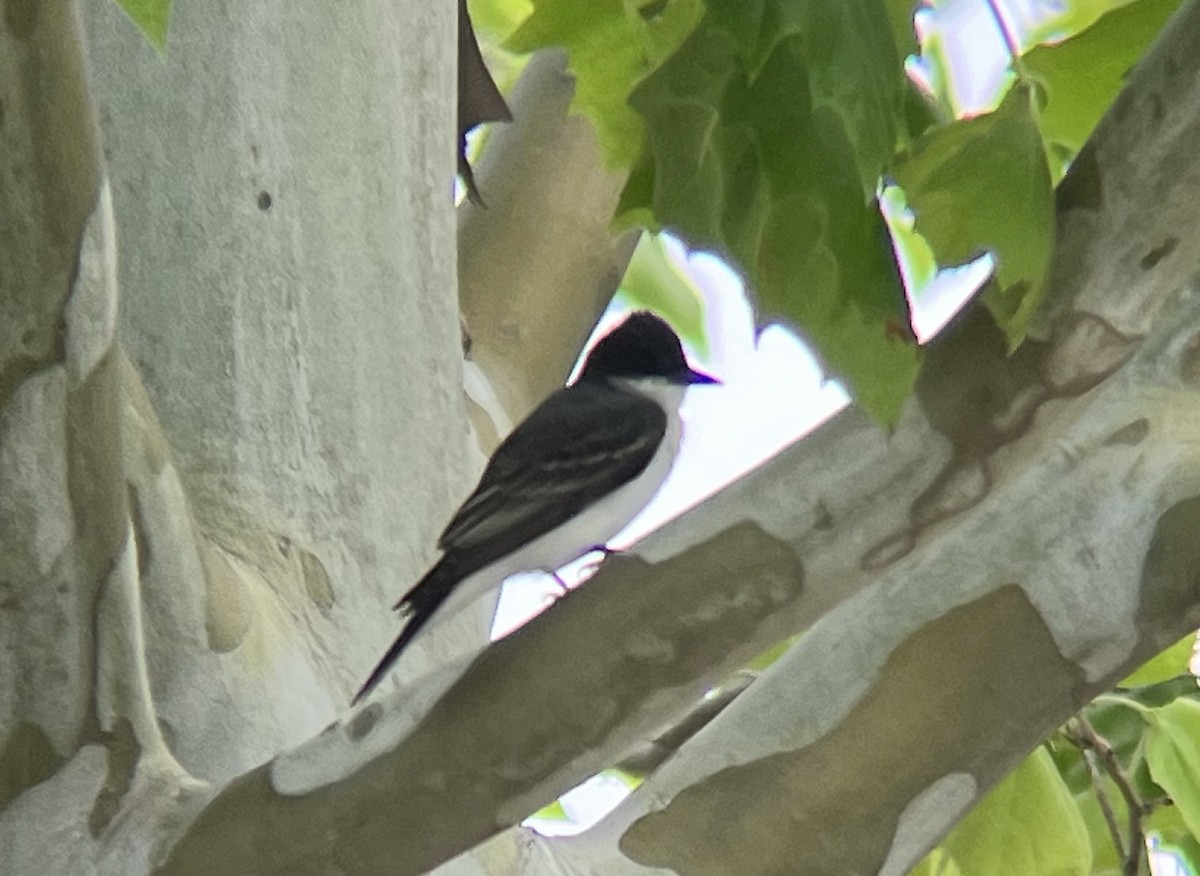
[214,480]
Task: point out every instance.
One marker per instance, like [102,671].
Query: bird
[567,479]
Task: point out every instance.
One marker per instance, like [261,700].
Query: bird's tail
[419,604]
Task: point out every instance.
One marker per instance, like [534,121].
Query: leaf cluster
[1118,779]
[767,130]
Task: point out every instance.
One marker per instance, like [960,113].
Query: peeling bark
[186,589]
[538,265]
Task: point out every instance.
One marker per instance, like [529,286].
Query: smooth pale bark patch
[228,613]
[998,641]
[33,480]
[942,802]
[90,315]
[95,480]
[40,831]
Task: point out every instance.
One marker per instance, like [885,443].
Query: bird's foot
[585,571]
[590,569]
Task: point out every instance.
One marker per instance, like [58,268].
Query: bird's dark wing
[577,446]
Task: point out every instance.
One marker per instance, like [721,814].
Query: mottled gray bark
[198,536]
[225,451]
[537,266]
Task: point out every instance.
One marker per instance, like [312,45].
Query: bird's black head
[642,346]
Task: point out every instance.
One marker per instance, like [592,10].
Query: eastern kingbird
[566,480]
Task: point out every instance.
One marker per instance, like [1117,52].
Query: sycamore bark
[232,421]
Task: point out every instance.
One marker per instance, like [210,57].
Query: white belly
[591,528]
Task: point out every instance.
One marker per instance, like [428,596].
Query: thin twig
[1110,816]
[1137,808]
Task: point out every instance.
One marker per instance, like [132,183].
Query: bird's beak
[692,377]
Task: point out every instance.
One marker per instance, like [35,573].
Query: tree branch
[1093,744]
[539,264]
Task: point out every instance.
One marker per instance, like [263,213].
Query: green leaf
[936,863]
[918,264]
[1104,853]
[1069,761]
[1167,822]
[1120,723]
[1073,17]
[1028,824]
[497,19]
[611,44]
[1157,695]
[151,18]
[982,184]
[920,113]
[552,812]
[1172,746]
[845,57]
[768,657]
[900,13]
[653,281]
[629,780]
[766,134]
[1170,664]
[1081,76]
